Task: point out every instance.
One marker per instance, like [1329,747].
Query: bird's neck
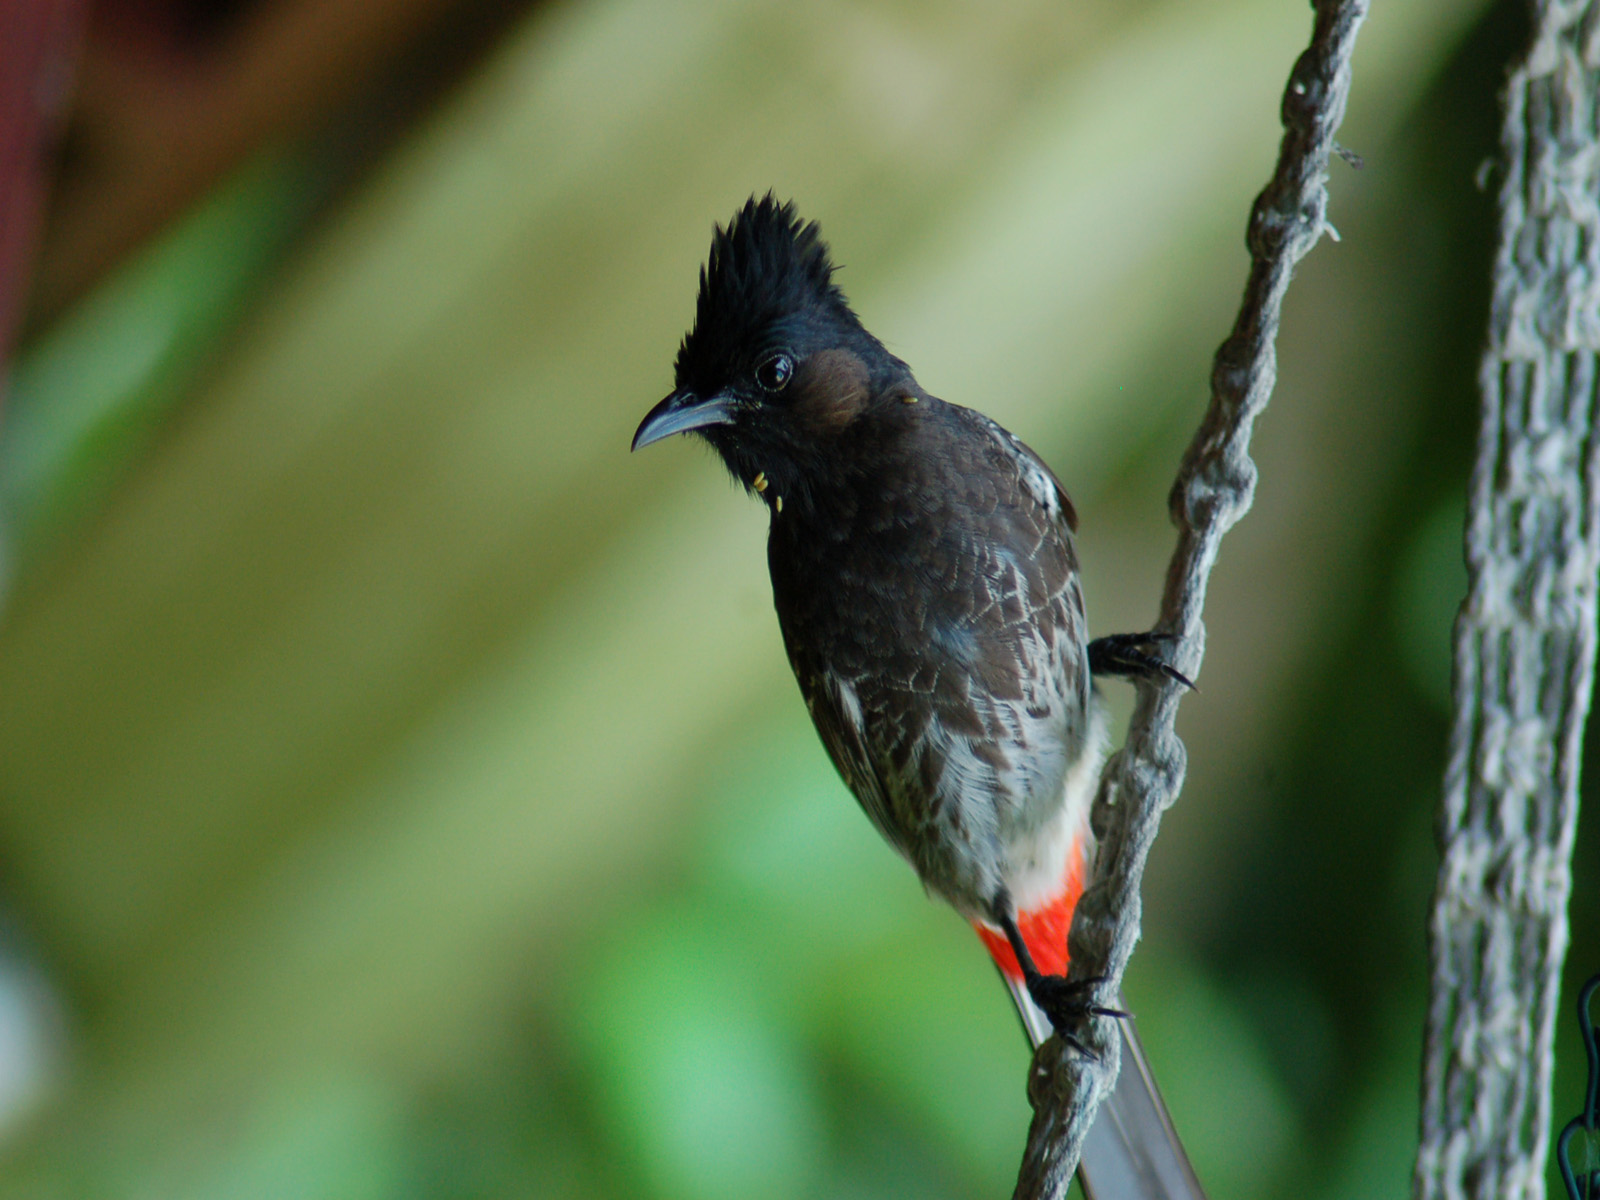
[827,487]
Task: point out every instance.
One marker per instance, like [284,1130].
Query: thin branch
[1214,489]
[1524,642]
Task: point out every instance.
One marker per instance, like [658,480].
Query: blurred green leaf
[327,1139]
[1374,1157]
[1226,1100]
[708,1094]
[926,1021]
[83,399]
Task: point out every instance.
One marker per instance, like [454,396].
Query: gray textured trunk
[1524,643]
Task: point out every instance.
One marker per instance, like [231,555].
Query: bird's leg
[1065,1001]
[1130,655]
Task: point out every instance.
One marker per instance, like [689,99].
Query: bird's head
[777,367]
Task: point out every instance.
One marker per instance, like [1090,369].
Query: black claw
[1066,1002]
[1070,998]
[1077,1045]
[1126,654]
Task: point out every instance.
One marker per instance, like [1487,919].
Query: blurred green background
[402,789]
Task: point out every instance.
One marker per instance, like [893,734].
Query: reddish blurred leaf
[38,44]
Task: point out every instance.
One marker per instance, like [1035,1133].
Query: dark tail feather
[1132,1152]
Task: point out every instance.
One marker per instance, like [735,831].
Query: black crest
[766,265]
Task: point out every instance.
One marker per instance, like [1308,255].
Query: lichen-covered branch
[1214,489]
[1524,642]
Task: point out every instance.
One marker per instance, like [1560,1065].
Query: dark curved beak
[680,413]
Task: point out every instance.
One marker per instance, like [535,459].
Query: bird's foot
[1131,655]
[1067,1002]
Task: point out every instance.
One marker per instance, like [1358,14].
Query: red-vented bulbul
[927,587]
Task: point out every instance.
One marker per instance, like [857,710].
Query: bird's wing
[1036,477]
[952,691]
[836,711]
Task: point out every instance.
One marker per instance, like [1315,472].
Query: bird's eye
[774,372]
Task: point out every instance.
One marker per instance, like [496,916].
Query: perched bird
[926,584]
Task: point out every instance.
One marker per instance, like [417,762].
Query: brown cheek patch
[833,391]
